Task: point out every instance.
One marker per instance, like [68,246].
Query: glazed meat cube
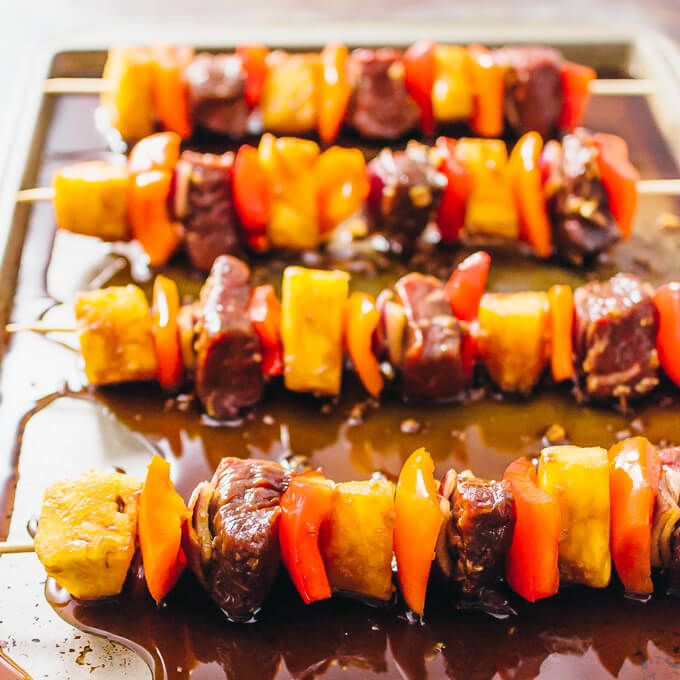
[533,87]
[478,532]
[87,530]
[312,310]
[615,338]
[405,192]
[233,540]
[91,198]
[116,339]
[380,106]
[583,225]
[357,538]
[204,181]
[228,375]
[216,90]
[431,365]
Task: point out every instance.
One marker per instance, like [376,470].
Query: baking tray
[72,434]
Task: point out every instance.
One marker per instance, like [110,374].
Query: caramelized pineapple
[128,101]
[357,538]
[86,534]
[578,479]
[513,338]
[91,198]
[312,310]
[289,94]
[491,208]
[293,218]
[452,96]
[116,340]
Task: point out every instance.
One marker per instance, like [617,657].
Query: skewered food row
[562,521]
[379,93]
[423,337]
[575,198]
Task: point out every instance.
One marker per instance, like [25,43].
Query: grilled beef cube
[380,106]
[473,541]
[228,375]
[204,203]
[533,87]
[614,337]
[232,540]
[405,192]
[431,364]
[216,89]
[665,548]
[583,225]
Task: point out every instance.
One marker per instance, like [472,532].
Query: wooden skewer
[38,327]
[14,548]
[601,86]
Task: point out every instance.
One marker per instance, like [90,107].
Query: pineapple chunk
[128,101]
[91,198]
[293,218]
[513,338]
[289,94]
[116,340]
[312,311]
[357,538]
[578,479]
[491,207]
[452,97]
[86,534]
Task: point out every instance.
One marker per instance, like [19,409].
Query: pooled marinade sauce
[578,633]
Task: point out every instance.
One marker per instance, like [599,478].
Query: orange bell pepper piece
[466,285]
[161,512]
[333,91]
[634,474]
[361,320]
[488,85]
[561,301]
[305,504]
[527,188]
[264,311]
[342,185]
[419,72]
[166,331]
[150,221]
[667,301]
[620,179]
[254,59]
[252,191]
[416,527]
[531,562]
[576,80]
[168,89]
[159,151]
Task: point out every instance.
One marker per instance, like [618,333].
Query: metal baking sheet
[82,437]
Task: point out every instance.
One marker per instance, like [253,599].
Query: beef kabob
[574,198]
[561,522]
[423,338]
[379,93]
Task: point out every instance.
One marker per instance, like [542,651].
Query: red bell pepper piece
[166,331]
[634,474]
[561,321]
[265,315]
[620,179]
[333,91]
[527,189]
[576,79]
[252,195]
[304,506]
[465,286]
[667,301]
[418,519]
[451,213]
[161,513]
[488,86]
[419,68]
[531,562]
[254,59]
[361,319]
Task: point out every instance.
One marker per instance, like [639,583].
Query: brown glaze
[577,634]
